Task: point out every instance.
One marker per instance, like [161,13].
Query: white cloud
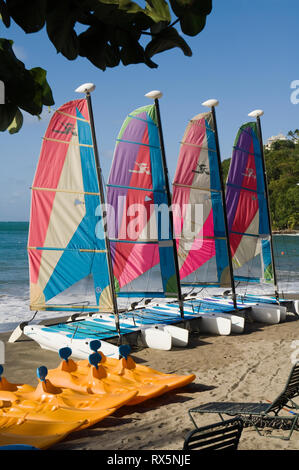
[19,52]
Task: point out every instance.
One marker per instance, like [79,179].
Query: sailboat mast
[212,104]
[87,90]
[156,95]
[257,113]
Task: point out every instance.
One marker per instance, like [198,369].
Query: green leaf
[7,114]
[16,123]
[4,14]
[40,77]
[24,89]
[30,16]
[192,24]
[126,15]
[192,14]
[197,7]
[92,44]
[166,40]
[158,10]
[60,20]
[133,53]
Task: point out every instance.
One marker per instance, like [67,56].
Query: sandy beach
[253,366]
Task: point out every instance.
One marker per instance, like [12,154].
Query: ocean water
[14,275]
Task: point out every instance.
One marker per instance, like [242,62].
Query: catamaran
[247,201]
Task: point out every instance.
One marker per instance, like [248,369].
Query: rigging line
[137,143]
[201,147]
[257,154]
[71,142]
[71,116]
[209,190]
[70,191]
[138,118]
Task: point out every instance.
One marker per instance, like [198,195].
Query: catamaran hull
[155,336]
[210,323]
[235,323]
[262,313]
[238,322]
[180,336]
[291,305]
[53,341]
[215,324]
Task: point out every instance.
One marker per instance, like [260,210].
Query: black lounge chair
[219,436]
[262,415]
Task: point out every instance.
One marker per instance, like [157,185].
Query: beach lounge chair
[224,435]
[262,415]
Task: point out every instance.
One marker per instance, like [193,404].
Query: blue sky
[246,57]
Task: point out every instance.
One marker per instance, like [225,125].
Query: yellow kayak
[49,403]
[32,432]
[126,367]
[96,380]
[99,371]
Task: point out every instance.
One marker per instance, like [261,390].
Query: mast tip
[85,88]
[154,95]
[256,113]
[210,103]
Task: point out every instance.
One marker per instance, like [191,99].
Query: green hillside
[282,166]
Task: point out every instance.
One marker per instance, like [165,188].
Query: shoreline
[285,232]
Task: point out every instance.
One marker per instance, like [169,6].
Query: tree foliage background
[116,32]
[282,166]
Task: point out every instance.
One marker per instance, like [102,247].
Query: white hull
[238,322]
[54,341]
[265,315]
[262,313]
[180,336]
[215,325]
[275,311]
[211,322]
[294,304]
[153,338]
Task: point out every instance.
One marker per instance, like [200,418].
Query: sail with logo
[249,220]
[198,208]
[138,218]
[66,245]
[247,209]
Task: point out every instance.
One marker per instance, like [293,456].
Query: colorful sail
[247,209]
[66,239]
[138,218]
[198,208]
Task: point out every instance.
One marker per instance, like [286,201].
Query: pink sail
[198,208]
[65,243]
